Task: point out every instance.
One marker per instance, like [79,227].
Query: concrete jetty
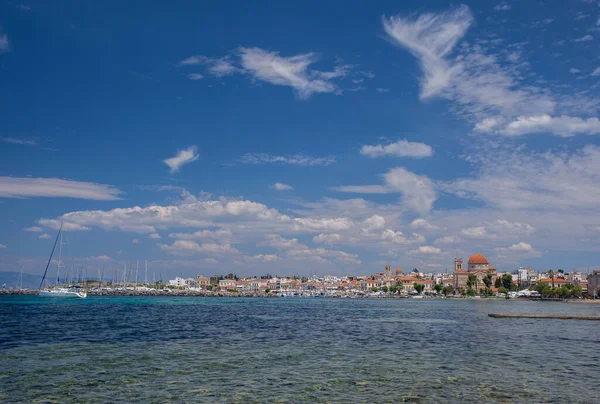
[546,316]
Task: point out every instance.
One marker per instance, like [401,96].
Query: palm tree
[551,275]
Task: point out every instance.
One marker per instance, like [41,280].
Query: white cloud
[596,72]
[418,192]
[188,213]
[4,43]
[44,236]
[421,223]
[298,159]
[402,148]
[542,181]
[280,243]
[427,250]
[446,240]
[222,234]
[293,71]
[155,236]
[265,257]
[282,187]
[15,187]
[136,241]
[187,247]
[2,246]
[375,222]
[562,126]
[325,224]
[67,226]
[574,70]
[195,76]
[476,233]
[330,238]
[585,38]
[516,251]
[182,157]
[382,90]
[34,229]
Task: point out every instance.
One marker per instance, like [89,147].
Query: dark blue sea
[188,350]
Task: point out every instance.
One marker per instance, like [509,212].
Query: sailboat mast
[60,243]
[137,267]
[146,272]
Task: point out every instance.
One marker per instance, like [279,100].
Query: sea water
[188,349]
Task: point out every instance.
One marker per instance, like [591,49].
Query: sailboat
[59,292]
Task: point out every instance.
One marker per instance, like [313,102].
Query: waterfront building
[202,281]
[179,282]
[477,265]
[227,283]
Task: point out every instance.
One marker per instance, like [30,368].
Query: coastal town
[476,278]
[473,278]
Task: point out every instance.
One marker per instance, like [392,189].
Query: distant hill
[10,280]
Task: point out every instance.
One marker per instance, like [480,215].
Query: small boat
[59,292]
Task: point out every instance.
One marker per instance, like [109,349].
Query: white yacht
[62,292]
[59,292]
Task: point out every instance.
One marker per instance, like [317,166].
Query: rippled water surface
[161,349]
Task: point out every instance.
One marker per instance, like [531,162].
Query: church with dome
[477,265]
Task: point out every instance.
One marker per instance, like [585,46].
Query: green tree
[375,289]
[447,290]
[393,289]
[399,285]
[471,281]
[267,290]
[507,281]
[540,286]
[384,289]
[419,287]
[487,280]
[502,290]
[438,287]
[498,283]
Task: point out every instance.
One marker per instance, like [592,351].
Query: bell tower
[458,264]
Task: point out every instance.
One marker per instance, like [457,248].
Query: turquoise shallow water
[161,349]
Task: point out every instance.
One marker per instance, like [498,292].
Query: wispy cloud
[504,6]
[297,159]
[293,71]
[489,90]
[195,76]
[401,148]
[44,236]
[25,142]
[2,245]
[585,38]
[182,157]
[219,67]
[4,43]
[34,229]
[282,187]
[15,187]
[271,67]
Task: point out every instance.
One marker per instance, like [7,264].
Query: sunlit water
[161,349]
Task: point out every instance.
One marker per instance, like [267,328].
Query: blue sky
[300,138]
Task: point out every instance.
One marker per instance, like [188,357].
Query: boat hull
[63,294]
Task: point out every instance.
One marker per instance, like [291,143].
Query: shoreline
[207,293]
